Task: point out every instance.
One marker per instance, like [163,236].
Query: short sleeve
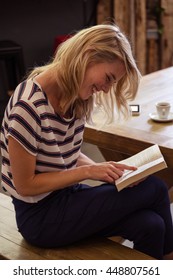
[25,125]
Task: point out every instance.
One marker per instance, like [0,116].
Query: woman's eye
[108,79]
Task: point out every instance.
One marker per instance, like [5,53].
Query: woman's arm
[84,160]
[28,183]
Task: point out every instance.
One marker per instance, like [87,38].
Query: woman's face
[101,77]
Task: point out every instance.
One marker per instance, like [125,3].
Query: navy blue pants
[140,214]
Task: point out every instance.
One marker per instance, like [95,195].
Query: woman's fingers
[108,171]
[123,166]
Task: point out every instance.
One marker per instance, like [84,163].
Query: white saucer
[154,116]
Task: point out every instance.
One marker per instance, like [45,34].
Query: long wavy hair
[97,44]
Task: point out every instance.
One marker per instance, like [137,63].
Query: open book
[148,162]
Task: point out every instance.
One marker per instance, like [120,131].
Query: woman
[43,167]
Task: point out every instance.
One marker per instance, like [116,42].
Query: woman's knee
[152,224]
[158,188]
[160,185]
[151,234]
[157,225]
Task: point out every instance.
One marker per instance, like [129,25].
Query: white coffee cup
[163,109]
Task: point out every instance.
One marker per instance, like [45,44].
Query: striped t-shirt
[31,120]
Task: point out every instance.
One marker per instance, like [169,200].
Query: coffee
[163,109]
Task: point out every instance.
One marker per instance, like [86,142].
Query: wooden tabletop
[140,132]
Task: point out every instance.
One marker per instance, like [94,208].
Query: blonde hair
[98,44]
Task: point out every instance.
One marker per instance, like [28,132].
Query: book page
[130,173]
[147,162]
[148,155]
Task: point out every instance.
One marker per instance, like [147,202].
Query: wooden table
[122,139]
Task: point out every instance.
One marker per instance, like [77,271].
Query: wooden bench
[14,247]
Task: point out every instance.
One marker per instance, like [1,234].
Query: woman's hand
[108,171]
[137,182]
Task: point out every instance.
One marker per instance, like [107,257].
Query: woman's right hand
[108,171]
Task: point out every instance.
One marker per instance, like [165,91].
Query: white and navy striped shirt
[54,141]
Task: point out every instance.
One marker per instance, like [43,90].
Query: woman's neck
[51,88]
